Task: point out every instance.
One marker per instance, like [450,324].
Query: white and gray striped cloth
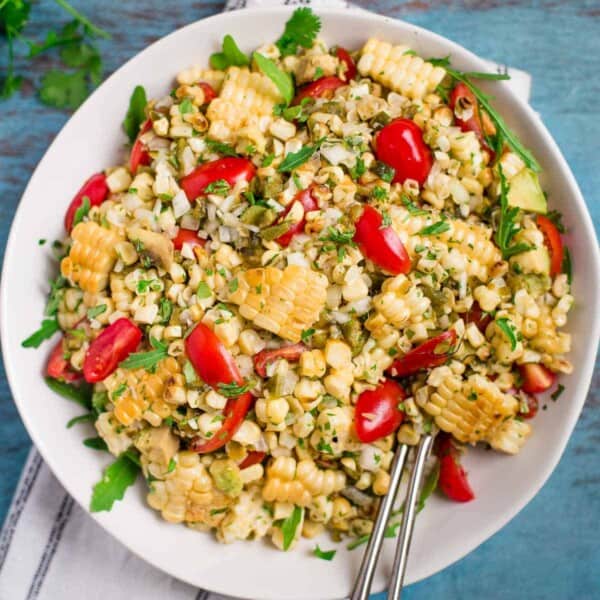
[50,549]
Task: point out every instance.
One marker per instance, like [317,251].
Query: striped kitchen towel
[50,549]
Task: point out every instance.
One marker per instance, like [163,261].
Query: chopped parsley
[384,171]
[220,187]
[233,390]
[220,147]
[324,554]
[233,285]
[358,169]
[307,334]
[557,393]
[412,208]
[146,360]
[435,229]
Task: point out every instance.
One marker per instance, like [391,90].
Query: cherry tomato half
[232,169]
[553,243]
[112,346]
[536,378]
[139,155]
[189,237]
[291,353]
[95,189]
[209,92]
[453,478]
[321,88]
[252,458]
[400,145]
[477,316]
[214,364]
[462,96]
[380,244]
[58,366]
[377,413]
[308,203]
[350,66]
[432,353]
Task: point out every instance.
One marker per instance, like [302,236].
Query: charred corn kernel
[307,389]
[215,400]
[250,342]
[244,98]
[111,431]
[252,473]
[126,252]
[227,257]
[187,493]
[248,433]
[472,410]
[228,331]
[510,437]
[312,363]
[304,425]
[398,69]
[154,247]
[284,302]
[277,409]
[408,435]
[381,483]
[338,354]
[339,382]
[92,256]
[471,241]
[488,298]
[311,530]
[119,180]
[134,391]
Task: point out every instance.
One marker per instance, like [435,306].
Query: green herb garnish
[95,443]
[435,229]
[220,187]
[324,554]
[509,331]
[47,329]
[280,78]
[80,394]
[117,477]
[220,147]
[233,390]
[301,29]
[82,211]
[289,526]
[203,290]
[135,113]
[94,311]
[230,56]
[146,360]
[557,393]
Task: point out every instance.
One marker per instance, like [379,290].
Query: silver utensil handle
[362,585]
[408,521]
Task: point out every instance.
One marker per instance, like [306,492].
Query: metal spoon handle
[362,585]
[408,521]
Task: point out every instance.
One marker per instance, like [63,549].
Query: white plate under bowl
[445,532]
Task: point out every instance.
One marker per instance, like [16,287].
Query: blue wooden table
[551,549]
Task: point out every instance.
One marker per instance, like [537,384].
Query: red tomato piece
[112,346]
[308,203]
[291,353]
[478,316]
[553,243]
[380,244]
[209,92]
[377,413]
[532,407]
[232,169]
[58,366]
[400,145]
[189,237]
[344,57]
[321,88]
[139,155]
[429,354]
[453,478]
[253,457]
[536,378]
[214,364]
[461,94]
[95,189]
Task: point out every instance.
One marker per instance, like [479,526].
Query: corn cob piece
[471,241]
[143,391]
[284,302]
[472,411]
[92,256]
[195,75]
[510,437]
[298,483]
[398,69]
[244,98]
[187,493]
[157,446]
[399,303]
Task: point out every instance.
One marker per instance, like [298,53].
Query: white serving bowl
[445,531]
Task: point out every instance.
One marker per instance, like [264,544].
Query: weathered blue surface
[551,549]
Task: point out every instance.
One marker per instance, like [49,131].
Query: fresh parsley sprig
[484,101]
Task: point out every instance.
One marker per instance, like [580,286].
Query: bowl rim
[584,373]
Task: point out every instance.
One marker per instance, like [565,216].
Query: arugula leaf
[280,78]
[116,479]
[230,56]
[507,226]
[81,419]
[435,228]
[294,159]
[80,394]
[99,401]
[301,29]
[288,527]
[146,360]
[484,101]
[324,554]
[220,147]
[96,443]
[135,113]
[48,328]
[509,331]
[63,90]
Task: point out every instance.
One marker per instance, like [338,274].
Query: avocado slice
[526,192]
